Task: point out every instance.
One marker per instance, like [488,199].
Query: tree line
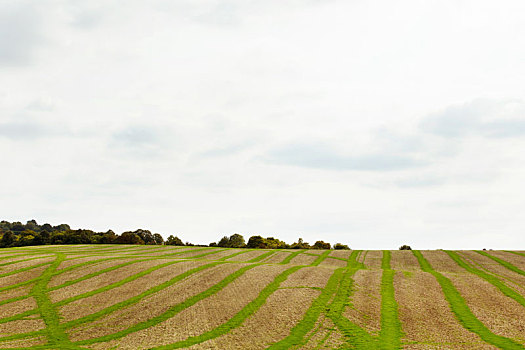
[16,234]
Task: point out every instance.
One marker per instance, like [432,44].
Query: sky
[371,123]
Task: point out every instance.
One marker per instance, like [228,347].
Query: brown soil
[204,316]
[404,260]
[501,314]
[248,255]
[21,326]
[102,280]
[365,307]
[155,304]
[426,317]
[308,277]
[17,307]
[441,262]
[344,254]
[100,301]
[373,259]
[271,323]
[303,259]
[335,263]
[83,271]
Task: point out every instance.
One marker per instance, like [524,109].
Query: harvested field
[330,262]
[372,259]
[365,308]
[303,259]
[147,297]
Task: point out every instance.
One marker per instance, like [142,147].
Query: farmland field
[167,297]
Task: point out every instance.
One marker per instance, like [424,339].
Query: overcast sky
[372,123]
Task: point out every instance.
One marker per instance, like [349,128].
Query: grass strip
[496,282]
[461,310]
[172,311]
[239,318]
[291,256]
[261,257]
[356,337]
[320,258]
[297,334]
[391,333]
[502,262]
[55,335]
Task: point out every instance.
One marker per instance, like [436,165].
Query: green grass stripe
[297,334]
[291,256]
[502,262]
[262,256]
[55,335]
[172,311]
[496,282]
[239,318]
[461,310]
[235,254]
[355,336]
[390,334]
[320,258]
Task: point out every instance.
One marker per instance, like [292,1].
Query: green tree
[256,242]
[321,245]
[158,239]
[405,247]
[236,241]
[224,242]
[174,240]
[340,246]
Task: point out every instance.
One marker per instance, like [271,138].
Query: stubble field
[163,297]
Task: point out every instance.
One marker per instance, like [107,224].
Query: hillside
[167,297]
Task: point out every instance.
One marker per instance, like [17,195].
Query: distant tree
[174,240]
[8,239]
[256,242]
[224,242]
[321,245]
[129,238]
[158,239]
[339,246]
[405,247]
[236,241]
[213,244]
[300,244]
[274,243]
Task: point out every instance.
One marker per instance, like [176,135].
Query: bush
[405,247]
[340,246]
